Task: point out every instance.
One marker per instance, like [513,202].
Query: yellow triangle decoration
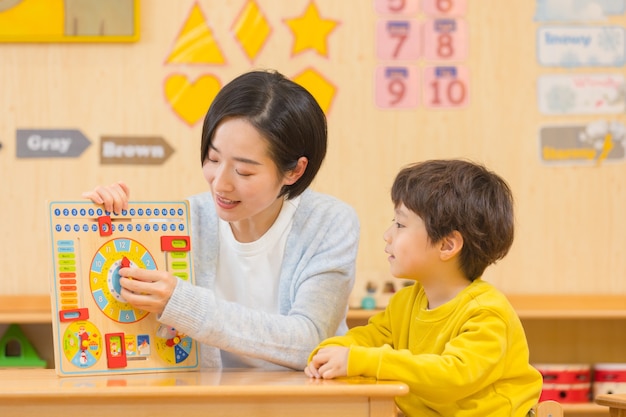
[195,43]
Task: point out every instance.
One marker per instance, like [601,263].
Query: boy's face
[411,253]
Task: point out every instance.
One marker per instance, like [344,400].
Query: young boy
[453,338]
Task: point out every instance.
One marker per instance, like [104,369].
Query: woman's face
[244,180]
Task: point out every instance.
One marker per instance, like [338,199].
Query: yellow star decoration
[310,31]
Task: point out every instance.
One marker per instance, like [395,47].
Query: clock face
[104,277]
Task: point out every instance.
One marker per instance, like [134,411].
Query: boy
[453,338]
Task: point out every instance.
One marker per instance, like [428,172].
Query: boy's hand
[328,363]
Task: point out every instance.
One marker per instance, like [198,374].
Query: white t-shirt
[248,273]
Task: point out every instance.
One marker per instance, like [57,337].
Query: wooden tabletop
[36,383]
[30,392]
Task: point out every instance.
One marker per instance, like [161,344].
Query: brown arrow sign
[134,150]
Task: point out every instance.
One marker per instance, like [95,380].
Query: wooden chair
[547,408]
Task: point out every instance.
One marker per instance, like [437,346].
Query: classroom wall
[570,217]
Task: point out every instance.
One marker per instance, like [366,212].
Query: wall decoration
[580,10]
[190,100]
[446,86]
[590,144]
[323,90]
[195,43]
[578,46]
[398,39]
[69,21]
[251,29]
[134,150]
[438,36]
[311,31]
[396,7]
[50,143]
[582,94]
[397,86]
[190,97]
[445,39]
[444,7]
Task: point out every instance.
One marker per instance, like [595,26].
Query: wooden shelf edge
[25,309]
[36,308]
[569,306]
[550,306]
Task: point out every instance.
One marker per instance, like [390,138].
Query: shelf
[25,309]
[36,308]
[542,306]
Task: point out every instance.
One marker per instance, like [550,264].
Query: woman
[274,261]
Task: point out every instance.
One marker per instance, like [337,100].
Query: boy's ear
[451,245]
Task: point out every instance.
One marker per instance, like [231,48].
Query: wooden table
[615,402]
[40,392]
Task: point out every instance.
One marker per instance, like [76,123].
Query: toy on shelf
[368,302]
[17,351]
[566,383]
[377,293]
[609,378]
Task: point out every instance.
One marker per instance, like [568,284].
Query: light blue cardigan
[316,279]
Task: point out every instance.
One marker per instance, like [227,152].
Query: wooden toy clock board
[95,330]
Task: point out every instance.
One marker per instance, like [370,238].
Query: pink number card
[397,7]
[397,87]
[444,7]
[446,86]
[445,39]
[398,39]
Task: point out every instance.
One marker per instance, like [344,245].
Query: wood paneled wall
[571,221]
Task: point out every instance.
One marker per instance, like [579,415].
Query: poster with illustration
[69,21]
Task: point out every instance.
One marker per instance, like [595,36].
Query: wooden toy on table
[95,330]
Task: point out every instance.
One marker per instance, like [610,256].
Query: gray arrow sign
[50,143]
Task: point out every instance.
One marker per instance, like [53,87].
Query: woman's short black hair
[283,112]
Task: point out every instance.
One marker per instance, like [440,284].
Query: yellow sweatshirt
[468,357]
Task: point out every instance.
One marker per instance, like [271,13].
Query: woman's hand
[148,290]
[114,197]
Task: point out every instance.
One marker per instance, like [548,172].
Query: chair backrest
[548,408]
